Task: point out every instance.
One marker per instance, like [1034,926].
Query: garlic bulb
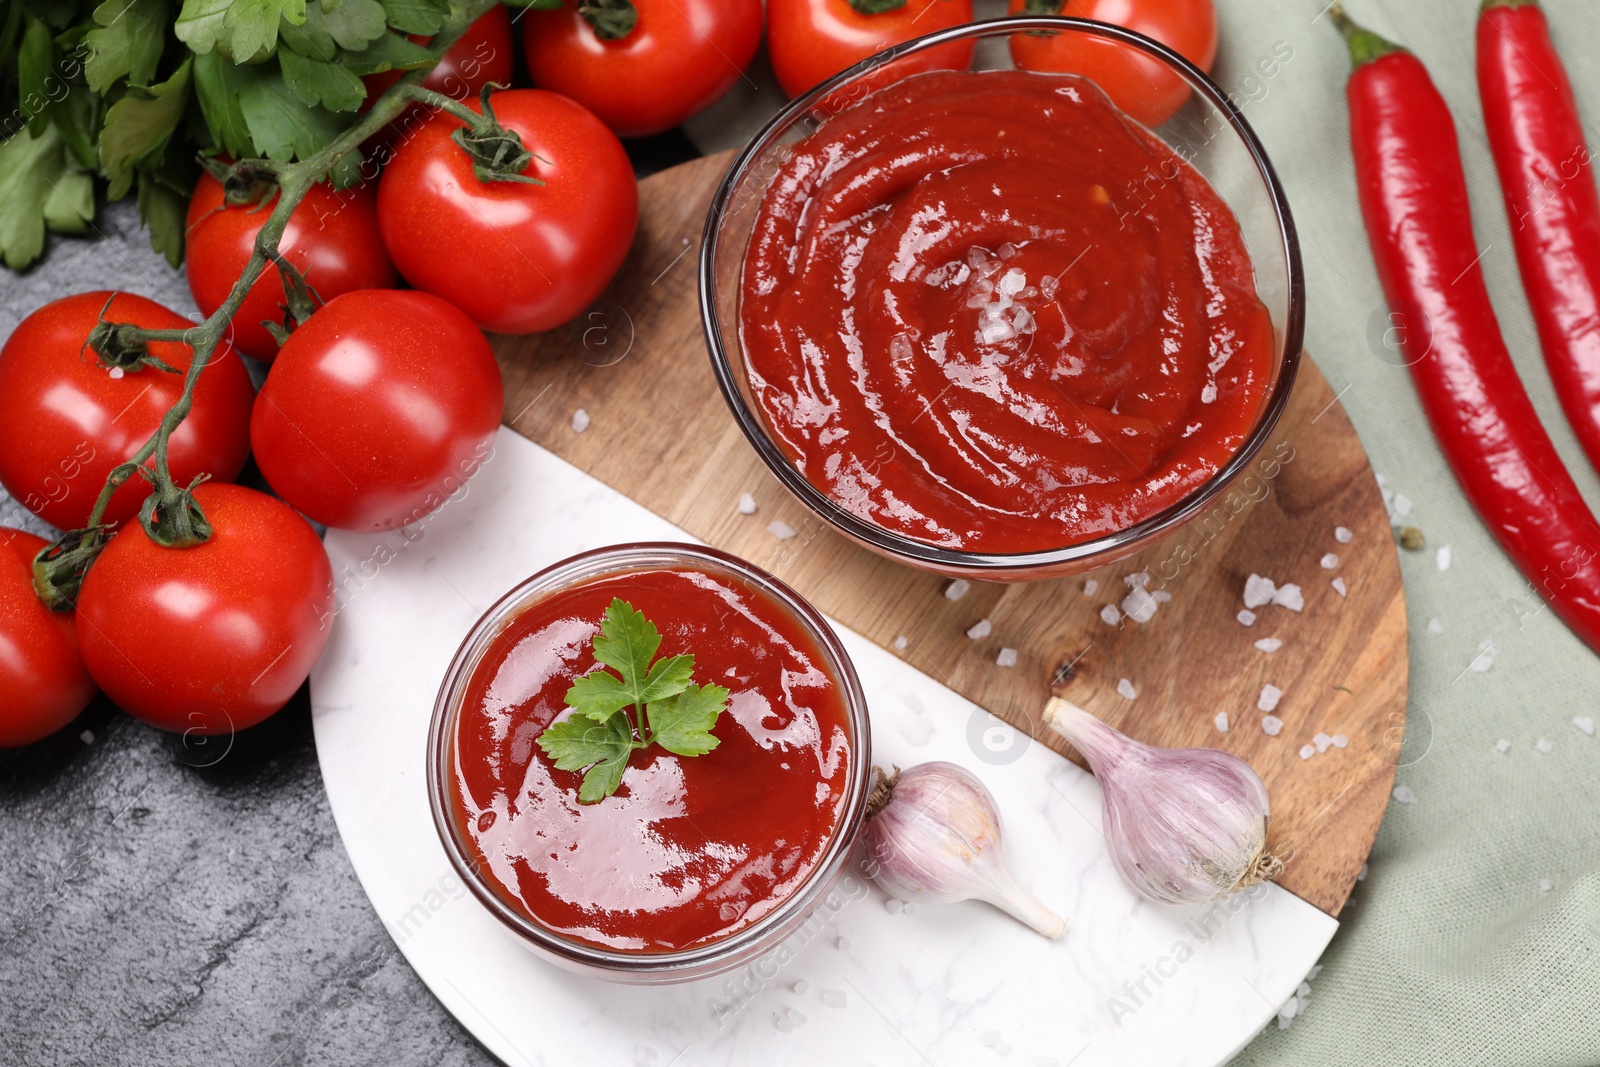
[1184,825]
[934,835]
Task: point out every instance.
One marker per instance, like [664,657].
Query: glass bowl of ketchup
[985,323]
[694,865]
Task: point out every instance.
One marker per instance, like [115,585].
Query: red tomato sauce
[988,311]
[688,850]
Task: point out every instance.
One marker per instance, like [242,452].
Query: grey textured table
[164,902]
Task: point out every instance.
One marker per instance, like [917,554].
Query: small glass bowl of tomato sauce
[695,865]
[985,323]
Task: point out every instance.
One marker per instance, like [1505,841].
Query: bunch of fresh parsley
[129,91]
[668,709]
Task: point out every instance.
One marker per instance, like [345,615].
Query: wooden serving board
[660,433]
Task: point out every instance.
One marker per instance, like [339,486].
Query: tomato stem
[498,154]
[170,516]
[613,20]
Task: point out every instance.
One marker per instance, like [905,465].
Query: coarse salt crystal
[1502,745]
[994,333]
[1402,504]
[894,906]
[1484,660]
[801,986]
[1269,644]
[580,421]
[1303,992]
[115,372]
[835,998]
[1361,875]
[1139,605]
[1137,580]
[1246,617]
[1340,741]
[1435,625]
[780,529]
[87,737]
[980,629]
[1311,975]
[900,643]
[1307,751]
[1584,723]
[1006,658]
[1404,795]
[1110,615]
[1271,725]
[1289,596]
[1545,885]
[1090,587]
[1258,591]
[1322,741]
[1339,587]
[1126,688]
[1330,561]
[957,589]
[1442,557]
[1270,695]
[1543,745]
[1221,721]
[1161,596]
[1343,535]
[747,504]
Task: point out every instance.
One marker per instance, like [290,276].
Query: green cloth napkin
[1475,936]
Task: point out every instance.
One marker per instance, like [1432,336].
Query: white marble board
[1131,983]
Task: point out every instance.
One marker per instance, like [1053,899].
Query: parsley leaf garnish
[682,724]
[669,709]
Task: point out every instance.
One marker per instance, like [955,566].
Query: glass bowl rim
[592,564]
[978,564]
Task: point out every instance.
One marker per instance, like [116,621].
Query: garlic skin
[934,836]
[1183,825]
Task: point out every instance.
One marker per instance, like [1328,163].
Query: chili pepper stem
[171,516]
[1365,45]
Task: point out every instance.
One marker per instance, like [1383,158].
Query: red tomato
[332,238]
[480,55]
[66,419]
[678,59]
[1143,87]
[378,408]
[214,638]
[809,41]
[43,682]
[517,258]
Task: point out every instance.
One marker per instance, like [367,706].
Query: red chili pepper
[1419,222]
[1537,138]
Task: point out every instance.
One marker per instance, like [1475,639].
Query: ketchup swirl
[988,311]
